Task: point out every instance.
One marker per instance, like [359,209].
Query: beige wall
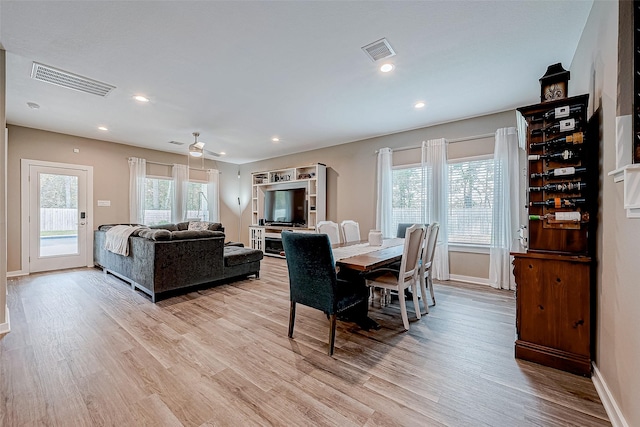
[594,70]
[351,173]
[110,176]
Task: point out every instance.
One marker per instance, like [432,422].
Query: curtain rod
[171,164]
[449,141]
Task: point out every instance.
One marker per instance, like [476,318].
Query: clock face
[554,91]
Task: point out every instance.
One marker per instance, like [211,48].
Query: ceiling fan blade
[212,153]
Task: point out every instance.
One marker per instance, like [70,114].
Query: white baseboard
[609,403]
[469,279]
[5,327]
[17,273]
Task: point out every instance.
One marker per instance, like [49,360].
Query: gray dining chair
[313,280]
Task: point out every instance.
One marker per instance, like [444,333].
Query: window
[157,201]
[470,199]
[197,203]
[407,196]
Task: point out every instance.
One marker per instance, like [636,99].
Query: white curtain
[521,123]
[435,187]
[505,208]
[137,184]
[213,194]
[180,174]
[384,207]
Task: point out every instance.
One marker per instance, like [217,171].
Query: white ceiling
[243,72]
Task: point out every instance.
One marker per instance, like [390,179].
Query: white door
[58,218]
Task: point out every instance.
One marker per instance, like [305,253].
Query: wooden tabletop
[372,260]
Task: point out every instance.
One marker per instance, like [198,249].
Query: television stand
[267,238]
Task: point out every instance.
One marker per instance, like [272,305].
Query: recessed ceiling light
[419,105]
[385,68]
[222,153]
[275,139]
[33,105]
[102,128]
[141,98]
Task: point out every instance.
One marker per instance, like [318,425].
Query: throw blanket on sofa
[117,238]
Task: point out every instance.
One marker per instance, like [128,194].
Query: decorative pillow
[215,226]
[198,225]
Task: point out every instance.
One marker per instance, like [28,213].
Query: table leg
[359,313]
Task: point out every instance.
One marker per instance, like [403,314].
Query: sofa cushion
[182,226]
[195,234]
[169,227]
[105,227]
[235,255]
[155,234]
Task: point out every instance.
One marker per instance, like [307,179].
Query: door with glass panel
[57,218]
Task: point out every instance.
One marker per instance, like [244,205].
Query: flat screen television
[285,207]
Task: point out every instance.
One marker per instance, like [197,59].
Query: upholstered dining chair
[313,281]
[331,229]
[350,231]
[407,276]
[402,229]
[429,250]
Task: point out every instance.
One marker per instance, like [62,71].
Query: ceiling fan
[197,148]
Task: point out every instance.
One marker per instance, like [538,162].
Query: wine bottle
[566,125]
[559,172]
[565,155]
[575,139]
[558,202]
[562,112]
[562,187]
[561,216]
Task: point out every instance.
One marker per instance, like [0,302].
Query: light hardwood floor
[87,350]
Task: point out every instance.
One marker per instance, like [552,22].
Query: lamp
[196,149]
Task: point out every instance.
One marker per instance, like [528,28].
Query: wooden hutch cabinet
[555,277]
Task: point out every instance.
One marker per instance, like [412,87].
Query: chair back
[350,231]
[430,240]
[411,253]
[331,229]
[312,269]
[402,228]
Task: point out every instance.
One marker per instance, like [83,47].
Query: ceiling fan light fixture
[196,149]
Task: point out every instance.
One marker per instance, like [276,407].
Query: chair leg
[292,318]
[332,333]
[433,297]
[416,304]
[423,292]
[403,309]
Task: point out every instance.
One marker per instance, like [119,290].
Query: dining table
[355,259]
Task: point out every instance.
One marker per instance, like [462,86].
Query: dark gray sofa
[169,257]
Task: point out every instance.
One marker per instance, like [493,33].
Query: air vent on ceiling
[48,74]
[176,142]
[378,50]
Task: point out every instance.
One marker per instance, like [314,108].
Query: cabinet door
[553,304]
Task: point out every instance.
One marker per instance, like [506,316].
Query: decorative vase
[375,238]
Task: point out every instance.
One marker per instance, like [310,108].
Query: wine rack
[555,277]
[561,166]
